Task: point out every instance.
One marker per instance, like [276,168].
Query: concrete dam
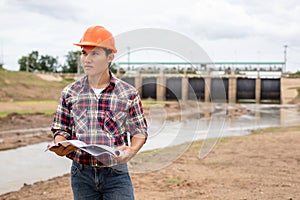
[226,88]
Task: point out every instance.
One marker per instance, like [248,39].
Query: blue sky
[227,30]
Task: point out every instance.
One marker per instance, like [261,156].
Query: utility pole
[27,64]
[128,57]
[2,56]
[285,57]
[78,65]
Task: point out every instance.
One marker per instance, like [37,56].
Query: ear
[110,57]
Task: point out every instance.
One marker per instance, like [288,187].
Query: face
[95,61]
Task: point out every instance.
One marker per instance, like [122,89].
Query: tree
[34,62]
[113,68]
[48,63]
[72,62]
[30,62]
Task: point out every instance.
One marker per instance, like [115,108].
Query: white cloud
[64,10]
[226,28]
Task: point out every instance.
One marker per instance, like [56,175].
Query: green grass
[174,180]
[150,103]
[30,102]
[47,112]
[276,129]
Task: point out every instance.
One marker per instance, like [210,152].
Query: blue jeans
[89,183]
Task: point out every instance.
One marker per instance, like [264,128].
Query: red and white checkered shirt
[105,119]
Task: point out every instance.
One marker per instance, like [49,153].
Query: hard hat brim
[91,44]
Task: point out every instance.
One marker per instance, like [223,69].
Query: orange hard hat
[97,36]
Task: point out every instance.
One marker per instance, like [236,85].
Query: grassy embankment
[23,86]
[26,93]
[48,106]
[27,107]
[23,93]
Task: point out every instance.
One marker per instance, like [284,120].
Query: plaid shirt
[105,119]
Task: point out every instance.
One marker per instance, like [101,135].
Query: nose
[86,59]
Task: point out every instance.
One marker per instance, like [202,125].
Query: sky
[227,30]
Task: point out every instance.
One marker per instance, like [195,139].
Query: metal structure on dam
[232,82]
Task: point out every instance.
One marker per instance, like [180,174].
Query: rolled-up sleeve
[62,120]
[136,122]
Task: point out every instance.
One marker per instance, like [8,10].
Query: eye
[94,53]
[83,52]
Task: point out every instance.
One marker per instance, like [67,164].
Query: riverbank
[263,165]
[29,122]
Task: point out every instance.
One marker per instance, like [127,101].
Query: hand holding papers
[93,149]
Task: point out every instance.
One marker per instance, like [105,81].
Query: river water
[30,164]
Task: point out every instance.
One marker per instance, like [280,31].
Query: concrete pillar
[257,89]
[288,91]
[138,83]
[207,81]
[161,87]
[232,87]
[118,75]
[184,88]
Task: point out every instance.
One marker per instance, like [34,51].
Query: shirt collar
[110,86]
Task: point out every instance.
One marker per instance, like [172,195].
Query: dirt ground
[18,130]
[257,166]
[263,165]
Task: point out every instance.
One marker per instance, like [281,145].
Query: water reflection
[28,165]
[220,124]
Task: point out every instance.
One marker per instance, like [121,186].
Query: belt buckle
[97,165]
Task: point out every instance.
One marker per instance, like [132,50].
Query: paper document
[93,149]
